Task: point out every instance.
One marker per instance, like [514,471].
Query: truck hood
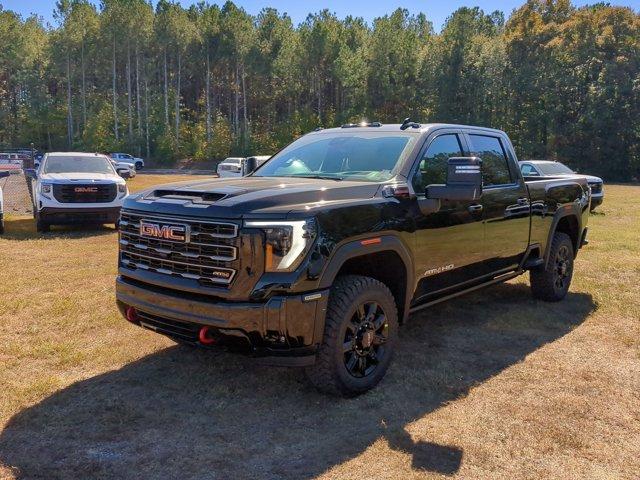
[249,197]
[80,177]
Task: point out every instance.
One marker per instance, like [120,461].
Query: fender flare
[355,249]
[571,210]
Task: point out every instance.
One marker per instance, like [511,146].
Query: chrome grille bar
[211,261]
[165,251]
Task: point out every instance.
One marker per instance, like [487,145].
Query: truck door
[448,243]
[505,202]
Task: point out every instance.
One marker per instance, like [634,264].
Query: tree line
[207,81]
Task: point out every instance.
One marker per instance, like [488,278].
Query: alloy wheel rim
[365,338]
[563,267]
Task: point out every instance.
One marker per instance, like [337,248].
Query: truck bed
[547,195]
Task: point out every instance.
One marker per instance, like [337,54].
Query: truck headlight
[122,188]
[46,188]
[286,242]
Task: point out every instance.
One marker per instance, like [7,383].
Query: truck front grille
[85,193]
[209,254]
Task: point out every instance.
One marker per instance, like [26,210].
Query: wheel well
[386,267]
[569,225]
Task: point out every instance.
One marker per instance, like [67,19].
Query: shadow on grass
[25,229]
[184,414]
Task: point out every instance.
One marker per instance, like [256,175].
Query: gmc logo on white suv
[177,233]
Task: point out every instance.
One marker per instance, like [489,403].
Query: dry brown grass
[492,385]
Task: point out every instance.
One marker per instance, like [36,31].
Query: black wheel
[552,283]
[41,225]
[359,337]
[138,166]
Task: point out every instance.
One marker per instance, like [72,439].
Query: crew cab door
[449,242]
[505,202]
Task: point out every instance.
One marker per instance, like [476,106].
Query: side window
[495,168]
[528,171]
[433,165]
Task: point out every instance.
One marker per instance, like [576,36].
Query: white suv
[74,187]
[137,163]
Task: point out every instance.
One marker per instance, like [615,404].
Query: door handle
[475,208]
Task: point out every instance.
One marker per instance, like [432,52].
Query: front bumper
[596,200]
[285,330]
[66,216]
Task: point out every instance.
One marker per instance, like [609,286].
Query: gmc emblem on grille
[177,233]
[86,189]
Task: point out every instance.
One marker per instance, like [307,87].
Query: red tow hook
[204,336]
[132,314]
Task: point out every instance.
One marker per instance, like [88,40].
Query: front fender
[366,246]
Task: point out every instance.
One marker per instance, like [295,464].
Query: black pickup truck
[317,257]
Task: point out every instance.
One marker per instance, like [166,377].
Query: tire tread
[343,294]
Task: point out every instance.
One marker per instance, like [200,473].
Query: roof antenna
[408,123]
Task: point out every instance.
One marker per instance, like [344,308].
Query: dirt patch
[493,385]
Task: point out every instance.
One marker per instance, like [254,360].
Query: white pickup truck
[72,187]
[3,174]
[239,166]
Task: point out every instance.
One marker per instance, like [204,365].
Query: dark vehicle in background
[317,257]
[549,168]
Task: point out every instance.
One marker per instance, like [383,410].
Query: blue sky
[436,11]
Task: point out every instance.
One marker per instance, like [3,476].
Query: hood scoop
[201,198]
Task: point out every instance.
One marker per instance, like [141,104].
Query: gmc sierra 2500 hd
[315,258]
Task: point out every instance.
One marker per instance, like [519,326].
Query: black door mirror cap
[4,174]
[464,181]
[31,173]
[455,193]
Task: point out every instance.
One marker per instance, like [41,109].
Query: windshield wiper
[319,177]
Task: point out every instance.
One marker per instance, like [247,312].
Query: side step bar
[500,279]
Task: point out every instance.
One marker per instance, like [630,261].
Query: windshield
[554,168]
[370,156]
[79,164]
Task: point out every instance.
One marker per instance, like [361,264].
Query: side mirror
[464,181]
[31,173]
[250,165]
[4,174]
[124,173]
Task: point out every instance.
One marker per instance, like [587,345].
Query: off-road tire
[138,166]
[551,283]
[330,374]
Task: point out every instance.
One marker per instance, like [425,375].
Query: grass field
[491,385]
